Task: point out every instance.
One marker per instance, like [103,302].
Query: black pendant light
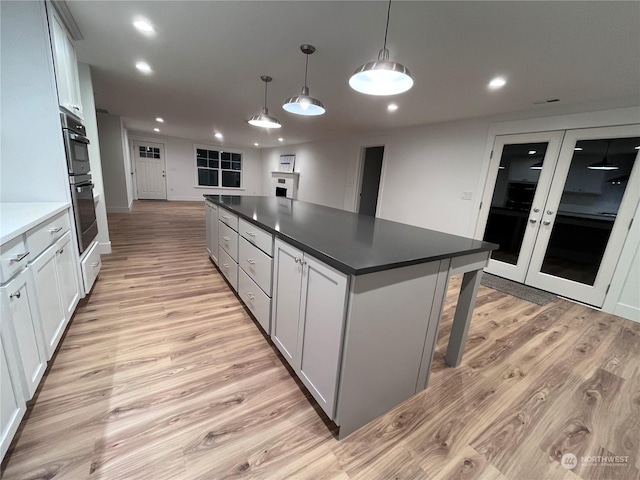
[263,119]
[303,104]
[604,164]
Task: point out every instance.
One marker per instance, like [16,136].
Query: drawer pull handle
[16,295]
[61,251]
[225,265]
[95,264]
[226,239]
[251,296]
[251,261]
[224,216]
[55,230]
[19,258]
[251,234]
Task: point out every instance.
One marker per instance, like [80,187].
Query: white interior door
[588,213]
[520,174]
[150,170]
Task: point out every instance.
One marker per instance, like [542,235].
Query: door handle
[546,222]
[533,220]
[16,295]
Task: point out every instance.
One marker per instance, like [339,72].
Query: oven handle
[79,188]
[79,138]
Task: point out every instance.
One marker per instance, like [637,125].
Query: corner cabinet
[66,66]
[309,310]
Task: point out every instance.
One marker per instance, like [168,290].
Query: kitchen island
[352,302]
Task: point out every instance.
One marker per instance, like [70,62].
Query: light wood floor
[163,375]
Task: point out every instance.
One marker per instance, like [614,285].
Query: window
[149,152]
[218,168]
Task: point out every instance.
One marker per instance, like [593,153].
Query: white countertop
[17,218]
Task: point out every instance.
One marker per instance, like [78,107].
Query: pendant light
[303,104]
[263,119]
[536,166]
[603,164]
[382,77]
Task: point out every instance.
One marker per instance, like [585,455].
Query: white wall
[91,124]
[30,171]
[114,168]
[181,168]
[426,169]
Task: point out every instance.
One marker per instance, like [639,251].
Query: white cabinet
[309,310]
[90,266]
[66,66]
[20,309]
[212,230]
[57,290]
[12,403]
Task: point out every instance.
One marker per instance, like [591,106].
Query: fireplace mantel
[287,181]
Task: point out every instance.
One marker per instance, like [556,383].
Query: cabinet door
[22,311]
[58,36]
[73,77]
[207,212]
[50,305]
[287,277]
[12,402]
[322,314]
[67,275]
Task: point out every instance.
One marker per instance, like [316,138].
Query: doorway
[370,181]
[560,205]
[150,170]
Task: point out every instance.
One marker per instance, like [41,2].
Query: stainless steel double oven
[76,145]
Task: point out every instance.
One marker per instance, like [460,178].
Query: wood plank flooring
[162,374]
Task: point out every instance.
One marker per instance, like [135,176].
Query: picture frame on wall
[287,163]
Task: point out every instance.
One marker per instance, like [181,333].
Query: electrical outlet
[467,196]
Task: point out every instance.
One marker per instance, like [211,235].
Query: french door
[561,204]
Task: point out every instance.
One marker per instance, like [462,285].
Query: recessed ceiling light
[218,135]
[497,82]
[143,67]
[156,129]
[637,147]
[256,144]
[160,119]
[144,26]
[577,149]
[532,152]
[281,139]
[392,107]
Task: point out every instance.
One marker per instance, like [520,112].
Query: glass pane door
[585,220]
[522,167]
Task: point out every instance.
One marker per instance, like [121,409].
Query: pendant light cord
[266,84]
[387,27]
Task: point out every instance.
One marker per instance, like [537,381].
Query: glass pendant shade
[304,104]
[381,77]
[263,119]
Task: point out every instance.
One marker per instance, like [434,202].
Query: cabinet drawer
[14,257]
[228,240]
[91,267]
[261,239]
[255,300]
[229,218]
[229,268]
[256,264]
[46,234]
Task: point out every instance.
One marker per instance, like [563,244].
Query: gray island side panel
[352,243]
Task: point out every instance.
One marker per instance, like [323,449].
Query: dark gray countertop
[354,244]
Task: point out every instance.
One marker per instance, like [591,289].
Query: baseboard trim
[118,210]
[105,248]
[627,311]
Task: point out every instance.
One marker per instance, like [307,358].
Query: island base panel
[384,341]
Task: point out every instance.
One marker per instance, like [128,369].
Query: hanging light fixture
[603,164]
[536,166]
[382,77]
[263,119]
[303,104]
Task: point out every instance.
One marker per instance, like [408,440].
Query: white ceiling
[207,59]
